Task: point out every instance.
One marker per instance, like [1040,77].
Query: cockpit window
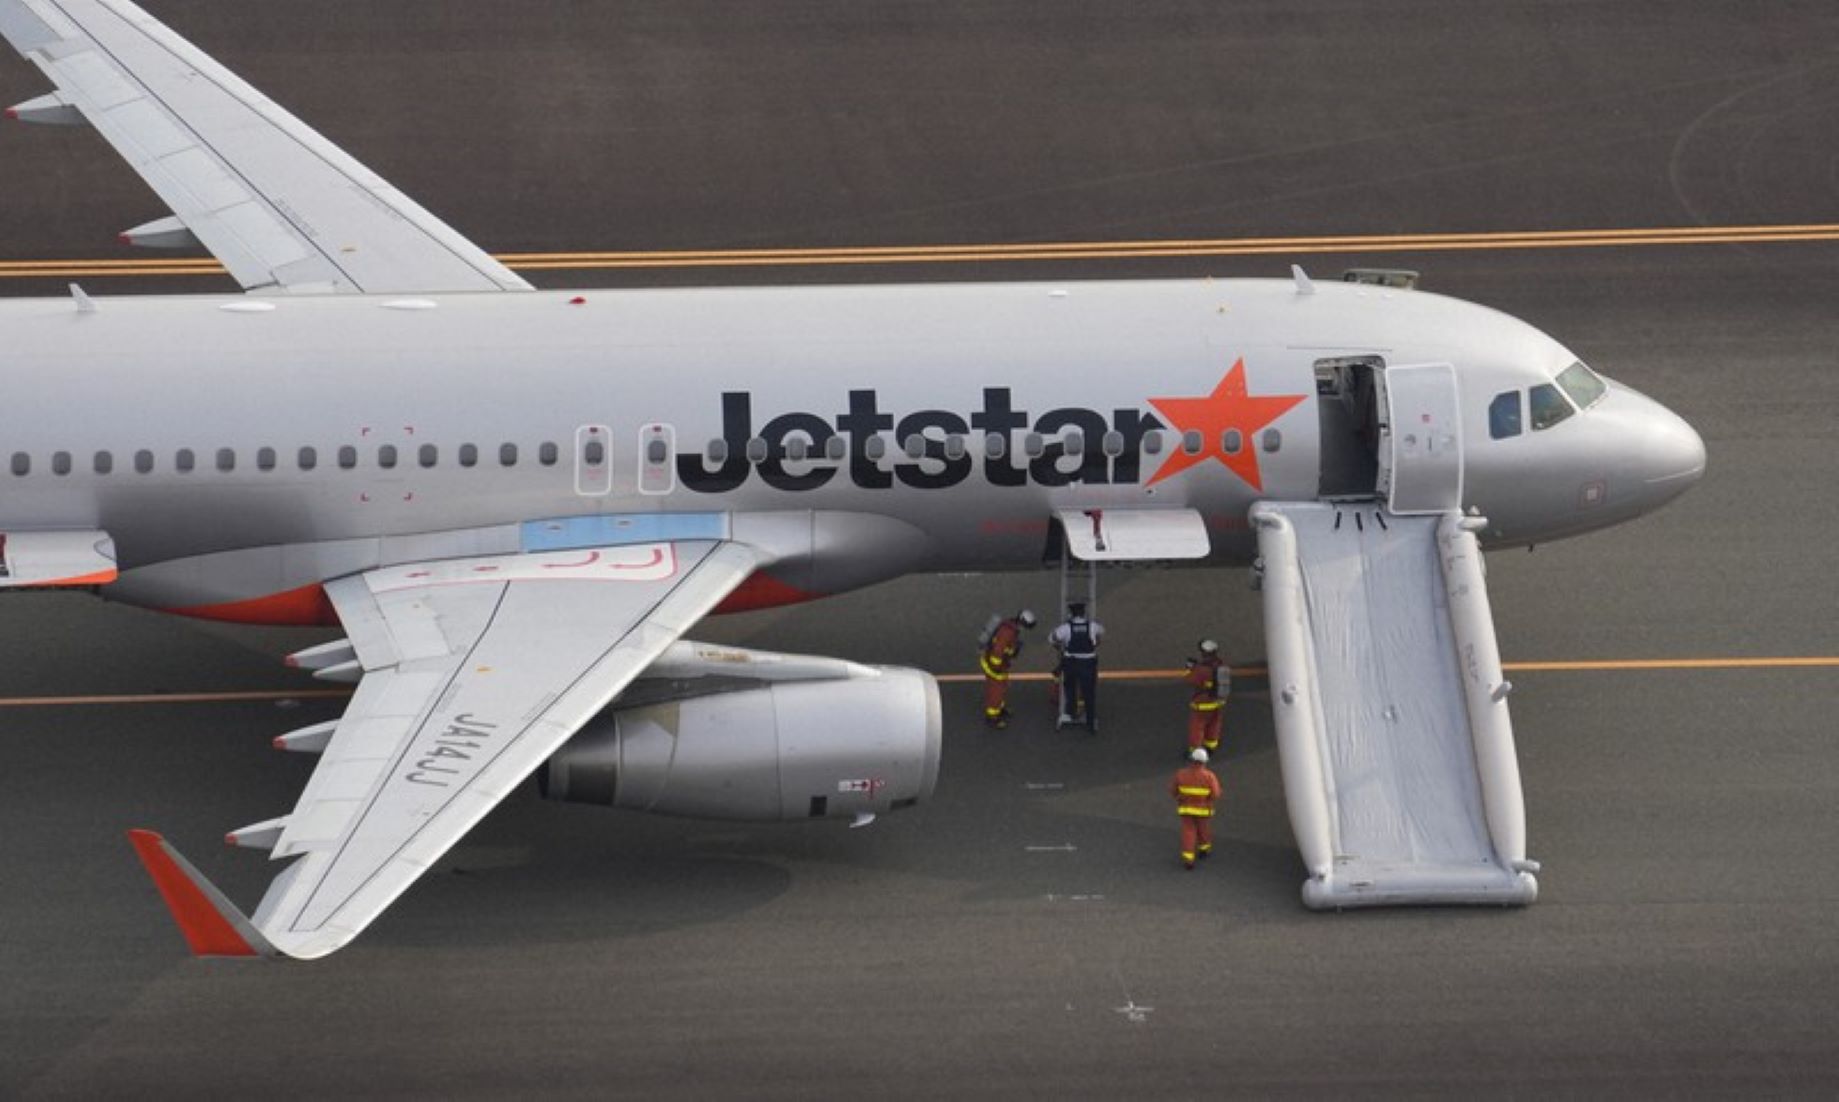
[1582,384]
[1548,406]
[1504,416]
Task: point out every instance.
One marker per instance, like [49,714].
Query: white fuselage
[372,422]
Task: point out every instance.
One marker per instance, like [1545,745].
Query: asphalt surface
[1028,932]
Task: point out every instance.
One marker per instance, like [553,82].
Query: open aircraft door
[1420,438]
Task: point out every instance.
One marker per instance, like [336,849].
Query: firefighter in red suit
[1195,789]
[1210,682]
[1001,647]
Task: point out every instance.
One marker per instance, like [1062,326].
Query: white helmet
[1027,618]
[1197,754]
[1208,646]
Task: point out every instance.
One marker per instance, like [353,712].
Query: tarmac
[1029,931]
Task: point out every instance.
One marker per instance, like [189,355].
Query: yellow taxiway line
[171,698]
[1612,665]
[977,254]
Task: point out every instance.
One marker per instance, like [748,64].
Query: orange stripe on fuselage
[100,577]
[307,606]
[763,591]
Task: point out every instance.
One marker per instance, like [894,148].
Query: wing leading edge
[283,208]
[475,671]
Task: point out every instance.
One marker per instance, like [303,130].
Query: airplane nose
[1675,454]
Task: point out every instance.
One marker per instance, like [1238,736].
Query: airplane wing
[474,671]
[283,208]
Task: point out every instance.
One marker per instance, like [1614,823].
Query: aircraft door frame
[1420,438]
[593,460]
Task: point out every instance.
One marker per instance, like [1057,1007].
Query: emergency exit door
[593,471]
[1420,439]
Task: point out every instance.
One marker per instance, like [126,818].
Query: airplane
[517,502]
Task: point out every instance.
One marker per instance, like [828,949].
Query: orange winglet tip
[212,926]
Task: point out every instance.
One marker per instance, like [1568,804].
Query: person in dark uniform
[1077,641]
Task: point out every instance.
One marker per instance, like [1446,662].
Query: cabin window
[1504,415]
[954,446]
[1034,445]
[22,464]
[386,456]
[915,446]
[756,450]
[995,445]
[1231,441]
[547,454]
[1152,442]
[717,451]
[183,461]
[143,461]
[308,459]
[507,455]
[469,455]
[1076,442]
[836,448]
[1113,444]
[104,462]
[1548,406]
[60,462]
[656,451]
[265,459]
[347,457]
[1272,439]
[1191,442]
[796,449]
[428,455]
[875,448]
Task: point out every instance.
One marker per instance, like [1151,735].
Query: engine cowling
[793,750]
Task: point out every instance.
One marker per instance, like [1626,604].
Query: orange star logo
[1228,407]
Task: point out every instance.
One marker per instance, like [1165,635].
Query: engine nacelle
[792,750]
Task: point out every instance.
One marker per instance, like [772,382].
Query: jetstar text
[934,467]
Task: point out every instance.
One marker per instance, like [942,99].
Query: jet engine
[851,747]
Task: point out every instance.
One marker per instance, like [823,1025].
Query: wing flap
[25,28]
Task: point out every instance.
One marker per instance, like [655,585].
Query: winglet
[212,925]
